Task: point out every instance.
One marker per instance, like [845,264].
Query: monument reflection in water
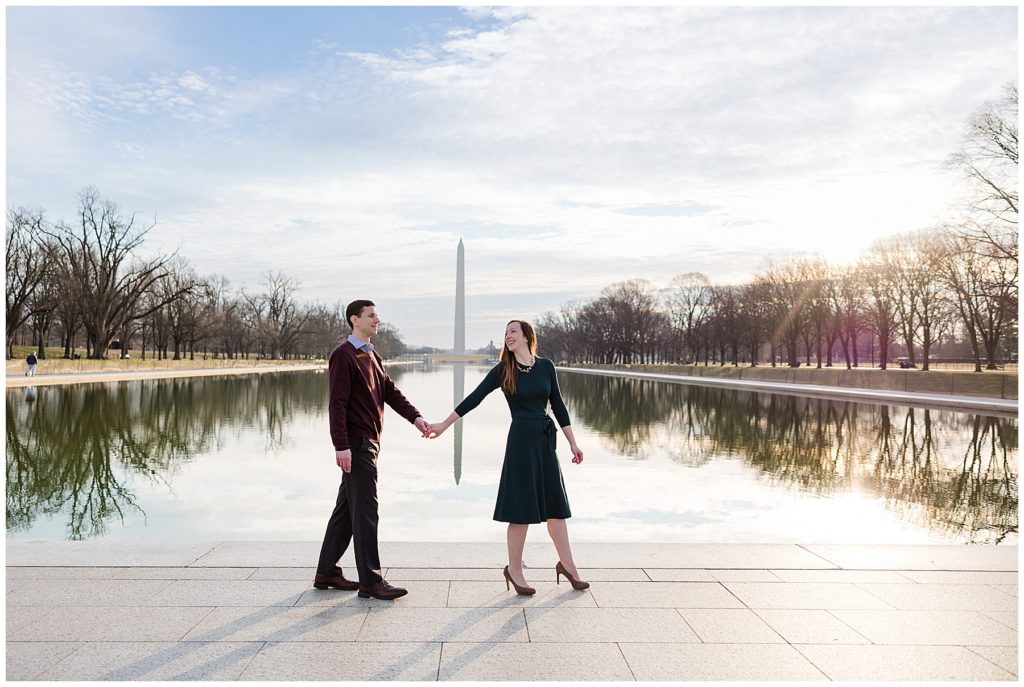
[247,457]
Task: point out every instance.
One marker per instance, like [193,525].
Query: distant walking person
[531,489]
[358,389]
[31,361]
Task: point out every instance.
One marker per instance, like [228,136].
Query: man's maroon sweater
[359,388]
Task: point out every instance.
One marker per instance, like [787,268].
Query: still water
[250,458]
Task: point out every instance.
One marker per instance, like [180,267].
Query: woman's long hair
[510,375]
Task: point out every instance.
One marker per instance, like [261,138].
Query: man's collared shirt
[360,345]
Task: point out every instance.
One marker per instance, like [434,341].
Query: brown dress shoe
[337,581]
[381,590]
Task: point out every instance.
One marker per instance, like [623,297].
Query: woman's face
[514,337]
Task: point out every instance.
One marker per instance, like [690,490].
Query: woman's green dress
[531,488]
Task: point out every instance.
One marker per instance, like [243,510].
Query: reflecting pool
[250,458]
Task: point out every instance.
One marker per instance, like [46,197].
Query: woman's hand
[434,430]
[577,454]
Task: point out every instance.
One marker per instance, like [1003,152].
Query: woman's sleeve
[489,384]
[557,405]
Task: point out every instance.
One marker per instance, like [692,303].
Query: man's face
[366,322]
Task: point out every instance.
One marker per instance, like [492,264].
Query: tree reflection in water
[72,449]
[943,470]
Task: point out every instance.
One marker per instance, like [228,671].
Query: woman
[531,488]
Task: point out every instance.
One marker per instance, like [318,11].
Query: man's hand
[344,459]
[423,426]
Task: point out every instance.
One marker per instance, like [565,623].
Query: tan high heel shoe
[522,591]
[576,584]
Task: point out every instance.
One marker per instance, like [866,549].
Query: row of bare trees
[909,295]
[86,283]
[954,284]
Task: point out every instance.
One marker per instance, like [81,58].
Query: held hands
[430,430]
[434,430]
[423,426]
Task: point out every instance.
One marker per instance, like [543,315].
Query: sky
[570,148]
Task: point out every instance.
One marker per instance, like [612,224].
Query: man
[359,388]
[31,362]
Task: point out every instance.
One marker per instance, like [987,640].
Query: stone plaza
[109,610]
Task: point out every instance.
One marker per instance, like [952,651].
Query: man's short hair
[356,308]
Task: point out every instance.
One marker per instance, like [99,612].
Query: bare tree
[688,302]
[26,265]
[753,318]
[388,341]
[276,314]
[897,258]
[988,158]
[928,294]
[881,306]
[106,278]
[846,300]
[790,289]
[984,300]
[181,312]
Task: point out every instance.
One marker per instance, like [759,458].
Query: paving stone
[845,576]
[103,553]
[811,627]
[744,576]
[18,616]
[699,556]
[758,662]
[943,597]
[132,593]
[1010,589]
[663,595]
[960,577]
[425,594]
[230,593]
[928,627]
[155,661]
[304,573]
[444,625]
[342,661]
[25,660]
[794,595]
[886,663]
[287,554]
[444,573]
[916,557]
[678,575]
[278,624]
[534,574]
[1008,618]
[607,625]
[467,594]
[62,573]
[293,554]
[533,662]
[729,626]
[114,624]
[1003,656]
[183,573]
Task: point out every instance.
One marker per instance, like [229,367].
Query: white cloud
[193,82]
